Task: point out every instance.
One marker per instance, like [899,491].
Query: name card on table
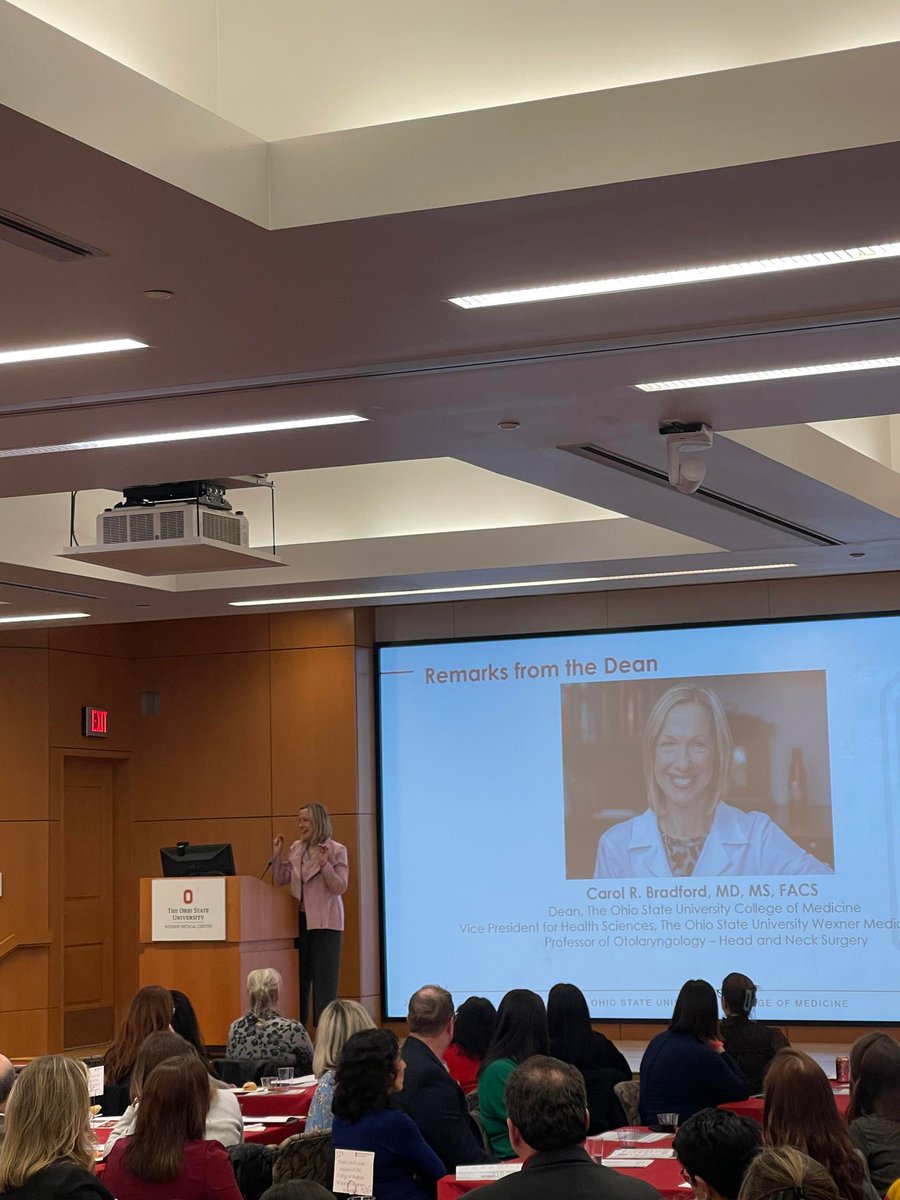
[95,1081]
[488,1170]
[353,1172]
[188,910]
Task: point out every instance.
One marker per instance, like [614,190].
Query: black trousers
[320,964]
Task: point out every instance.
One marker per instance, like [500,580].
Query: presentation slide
[625,811]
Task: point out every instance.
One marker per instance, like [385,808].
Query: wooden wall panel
[90,679]
[202,635]
[207,752]
[25,906]
[24,706]
[321,627]
[24,1034]
[314,729]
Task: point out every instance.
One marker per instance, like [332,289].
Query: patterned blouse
[682,853]
[272,1036]
[320,1118]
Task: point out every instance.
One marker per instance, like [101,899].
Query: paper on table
[273,1120]
[630,1162]
[612,1135]
[254,1128]
[353,1172]
[487,1170]
[653,1152]
[95,1080]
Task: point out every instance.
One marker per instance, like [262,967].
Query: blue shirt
[680,1073]
[400,1153]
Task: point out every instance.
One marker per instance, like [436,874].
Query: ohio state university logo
[188,896]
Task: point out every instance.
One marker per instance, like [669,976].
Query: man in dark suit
[546,1104]
[430,1095]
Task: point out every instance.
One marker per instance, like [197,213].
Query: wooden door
[88,900]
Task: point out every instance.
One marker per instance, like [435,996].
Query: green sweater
[492,1105]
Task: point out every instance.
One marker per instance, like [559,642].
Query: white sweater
[223,1124]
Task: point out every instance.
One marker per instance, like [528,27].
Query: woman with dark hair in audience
[473,1028]
[151,1010]
[687,1068]
[751,1044]
[369,1071]
[48,1147]
[186,1025]
[521,1032]
[786,1174]
[800,1111]
[573,1040]
[875,1106]
[167,1157]
[224,1122]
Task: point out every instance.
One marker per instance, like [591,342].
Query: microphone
[267,870]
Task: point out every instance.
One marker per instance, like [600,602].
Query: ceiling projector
[173,529]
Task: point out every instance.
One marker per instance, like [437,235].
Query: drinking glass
[285,1076]
[268,1082]
[668,1122]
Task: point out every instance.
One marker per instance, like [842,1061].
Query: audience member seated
[151,1011]
[800,1112]
[521,1032]
[48,1150]
[339,1020]
[186,1025]
[548,1119]
[786,1174]
[262,1032]
[875,1106]
[715,1147]
[369,1071]
[751,1044]
[687,1068]
[166,1158]
[224,1122]
[430,1095]
[573,1040]
[473,1029]
[298,1189]
[7,1079]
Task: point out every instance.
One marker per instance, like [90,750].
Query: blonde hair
[47,1118]
[723,746]
[785,1174]
[263,987]
[339,1021]
[321,823]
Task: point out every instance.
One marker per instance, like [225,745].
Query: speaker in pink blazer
[318,889]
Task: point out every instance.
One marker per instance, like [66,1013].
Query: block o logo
[188,896]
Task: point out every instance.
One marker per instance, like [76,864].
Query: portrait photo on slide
[703,776]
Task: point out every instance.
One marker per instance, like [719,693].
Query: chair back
[238,1071]
[629,1097]
[252,1166]
[304,1156]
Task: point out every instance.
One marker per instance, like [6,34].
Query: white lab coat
[738,843]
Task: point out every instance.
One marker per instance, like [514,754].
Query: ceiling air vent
[715,499]
[19,231]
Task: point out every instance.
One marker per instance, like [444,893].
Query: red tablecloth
[279,1102]
[753,1107]
[664,1174]
[273,1135]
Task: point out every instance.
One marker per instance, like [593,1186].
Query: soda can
[842,1068]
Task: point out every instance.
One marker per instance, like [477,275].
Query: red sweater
[206,1174]
[463,1067]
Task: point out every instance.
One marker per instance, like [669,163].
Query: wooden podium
[260,927]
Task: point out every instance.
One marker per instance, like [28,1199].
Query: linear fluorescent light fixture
[677,385]
[43,617]
[182,435]
[499,587]
[658,279]
[72,350]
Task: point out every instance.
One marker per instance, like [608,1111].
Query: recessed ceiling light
[42,617]
[182,435]
[656,279]
[72,350]
[677,385]
[498,587]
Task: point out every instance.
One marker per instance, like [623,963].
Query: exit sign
[94,722]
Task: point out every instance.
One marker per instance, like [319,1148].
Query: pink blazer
[320,893]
